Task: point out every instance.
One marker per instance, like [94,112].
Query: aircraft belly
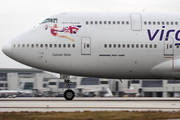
[127,66]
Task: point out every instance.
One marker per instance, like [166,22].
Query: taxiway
[88,104]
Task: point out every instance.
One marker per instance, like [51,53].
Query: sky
[18,16]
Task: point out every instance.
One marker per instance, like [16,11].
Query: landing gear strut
[68,94]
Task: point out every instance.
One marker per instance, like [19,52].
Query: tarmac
[89,104]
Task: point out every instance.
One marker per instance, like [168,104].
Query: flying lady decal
[71,29]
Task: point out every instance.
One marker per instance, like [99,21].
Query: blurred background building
[46,84]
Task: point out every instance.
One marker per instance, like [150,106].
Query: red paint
[172,61]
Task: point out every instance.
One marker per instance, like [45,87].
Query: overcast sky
[17,16]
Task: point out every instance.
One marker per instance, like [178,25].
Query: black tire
[69,94]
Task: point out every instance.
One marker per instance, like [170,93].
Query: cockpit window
[50,20]
[55,20]
[46,20]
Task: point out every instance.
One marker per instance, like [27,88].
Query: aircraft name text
[60,54]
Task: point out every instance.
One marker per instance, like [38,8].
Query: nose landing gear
[68,94]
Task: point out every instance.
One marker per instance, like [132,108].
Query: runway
[88,104]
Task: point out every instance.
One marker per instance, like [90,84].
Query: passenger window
[170,46]
[176,23]
[146,46]
[37,45]
[96,22]
[59,45]
[46,45]
[14,45]
[132,45]
[145,23]
[109,45]
[171,23]
[55,45]
[158,23]
[114,45]
[28,45]
[119,45]
[23,45]
[154,23]
[123,22]
[69,45]
[118,22]
[88,45]
[150,46]
[162,23]
[32,45]
[50,45]
[41,45]
[87,22]
[141,45]
[64,45]
[155,46]
[167,23]
[149,23]
[177,46]
[127,22]
[105,45]
[123,45]
[100,22]
[128,45]
[109,22]
[73,45]
[137,45]
[114,22]
[91,22]
[104,22]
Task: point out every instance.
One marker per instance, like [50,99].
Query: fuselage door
[136,24]
[169,47]
[85,46]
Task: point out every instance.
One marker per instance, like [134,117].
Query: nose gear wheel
[69,94]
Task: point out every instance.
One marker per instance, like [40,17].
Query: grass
[87,115]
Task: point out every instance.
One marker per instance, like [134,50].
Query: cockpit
[50,20]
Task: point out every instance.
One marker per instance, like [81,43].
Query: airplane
[22,91]
[14,93]
[111,45]
[8,93]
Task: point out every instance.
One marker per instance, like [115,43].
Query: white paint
[18,16]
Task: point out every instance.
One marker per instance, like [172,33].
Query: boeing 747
[105,45]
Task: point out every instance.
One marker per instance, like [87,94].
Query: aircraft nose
[7,48]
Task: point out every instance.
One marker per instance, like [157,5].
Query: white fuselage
[104,45]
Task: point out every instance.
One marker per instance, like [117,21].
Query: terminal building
[10,79]
[150,88]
